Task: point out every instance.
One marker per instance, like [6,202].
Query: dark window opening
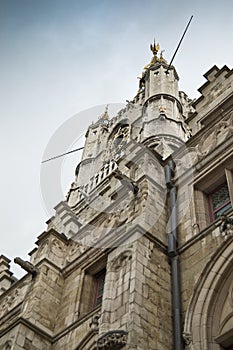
[219,201]
[230,347]
[99,288]
[118,140]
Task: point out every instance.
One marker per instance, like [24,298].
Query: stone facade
[140,254]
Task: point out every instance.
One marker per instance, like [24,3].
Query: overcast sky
[60,57]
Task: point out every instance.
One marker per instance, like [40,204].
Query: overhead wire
[62,155]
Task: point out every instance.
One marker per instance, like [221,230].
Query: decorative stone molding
[51,246]
[202,320]
[128,210]
[14,297]
[74,249]
[214,137]
[77,193]
[121,260]
[112,340]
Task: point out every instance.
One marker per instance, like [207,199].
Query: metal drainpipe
[174,260]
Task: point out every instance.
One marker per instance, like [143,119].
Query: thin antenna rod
[179,44]
[61,155]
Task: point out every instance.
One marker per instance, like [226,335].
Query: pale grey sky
[60,57]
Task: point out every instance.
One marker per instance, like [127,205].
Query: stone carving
[119,138]
[42,247]
[195,228]
[226,227]
[13,298]
[126,181]
[7,345]
[73,188]
[57,248]
[115,219]
[214,137]
[27,266]
[74,249]
[121,260]
[112,340]
[127,212]
[94,324]
[188,340]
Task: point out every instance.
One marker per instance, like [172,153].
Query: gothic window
[213,195]
[99,288]
[219,201]
[119,137]
[92,287]
[118,140]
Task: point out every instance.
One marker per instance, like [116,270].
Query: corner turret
[164,123]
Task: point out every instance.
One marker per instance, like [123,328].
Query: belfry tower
[111,208]
[139,254]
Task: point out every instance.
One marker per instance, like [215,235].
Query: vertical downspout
[174,259]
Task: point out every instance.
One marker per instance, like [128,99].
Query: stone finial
[105,114]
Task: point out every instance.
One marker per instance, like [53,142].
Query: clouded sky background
[60,57]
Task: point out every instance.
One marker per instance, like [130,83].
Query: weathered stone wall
[150,303]
[195,256]
[22,337]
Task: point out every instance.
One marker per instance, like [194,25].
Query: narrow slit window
[99,288]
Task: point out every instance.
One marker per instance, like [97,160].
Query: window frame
[98,294]
[91,273]
[205,184]
[213,211]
